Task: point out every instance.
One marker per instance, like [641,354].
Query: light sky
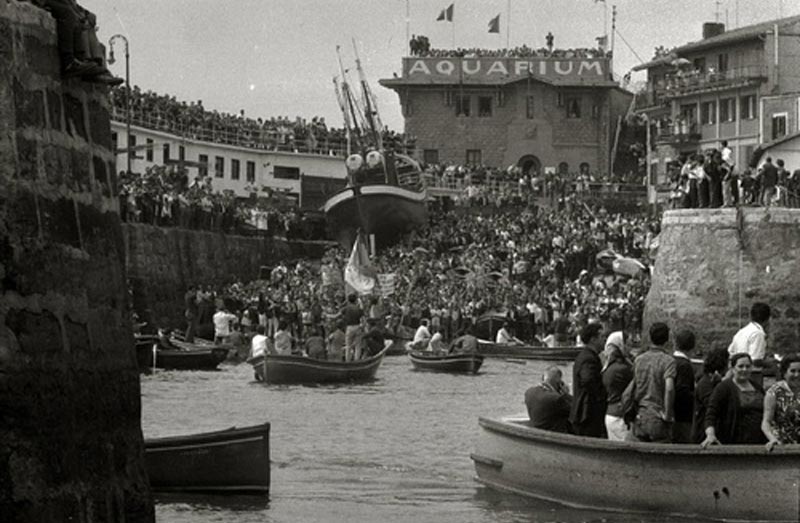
[278,57]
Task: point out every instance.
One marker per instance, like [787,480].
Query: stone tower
[70,435]
[712,264]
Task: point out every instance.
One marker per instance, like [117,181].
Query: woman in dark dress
[714,365]
[736,407]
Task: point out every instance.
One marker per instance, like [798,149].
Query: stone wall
[70,436]
[163,262]
[713,264]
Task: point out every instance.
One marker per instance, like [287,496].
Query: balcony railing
[678,132]
[687,82]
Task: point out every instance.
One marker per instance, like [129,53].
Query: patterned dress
[786,421]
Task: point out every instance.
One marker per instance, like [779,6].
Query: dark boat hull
[185,356]
[452,363]
[299,370]
[725,482]
[528,352]
[387,211]
[228,461]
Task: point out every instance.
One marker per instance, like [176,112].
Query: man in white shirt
[504,336]
[752,338]
[222,325]
[422,336]
[258,345]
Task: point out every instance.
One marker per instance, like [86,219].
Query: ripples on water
[395,450]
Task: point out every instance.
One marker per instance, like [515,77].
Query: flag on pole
[494,24]
[359,273]
[602,42]
[446,14]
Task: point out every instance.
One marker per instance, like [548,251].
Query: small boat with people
[234,461]
[527,352]
[724,482]
[452,363]
[169,353]
[274,369]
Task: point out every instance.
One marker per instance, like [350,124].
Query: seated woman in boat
[781,422]
[315,344]
[436,343]
[336,342]
[549,402]
[736,407]
[283,339]
[714,365]
[505,336]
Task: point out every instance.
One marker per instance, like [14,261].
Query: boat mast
[352,113]
[345,114]
[370,107]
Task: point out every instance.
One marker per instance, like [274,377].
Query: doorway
[529,165]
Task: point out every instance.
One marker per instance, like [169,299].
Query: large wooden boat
[527,352]
[728,483]
[300,370]
[453,363]
[227,461]
[173,354]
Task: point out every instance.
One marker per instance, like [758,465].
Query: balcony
[677,133]
[650,98]
[691,82]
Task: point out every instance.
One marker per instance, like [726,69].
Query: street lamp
[111,60]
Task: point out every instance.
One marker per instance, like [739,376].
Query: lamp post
[111,60]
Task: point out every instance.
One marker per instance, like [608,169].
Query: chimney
[711,29]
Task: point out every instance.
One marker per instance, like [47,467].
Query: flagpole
[408,31]
[453,23]
[508,25]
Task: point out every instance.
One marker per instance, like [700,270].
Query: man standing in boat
[352,315]
[654,389]
[588,412]
[549,403]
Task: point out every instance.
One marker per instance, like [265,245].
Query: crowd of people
[281,133]
[549,273]
[420,46]
[712,180]
[658,397]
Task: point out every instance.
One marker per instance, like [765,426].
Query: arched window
[584,168]
[563,168]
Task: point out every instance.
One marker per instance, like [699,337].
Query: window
[286,173]
[722,63]
[727,110]
[462,105]
[115,140]
[563,168]
[700,64]
[573,107]
[219,166]
[689,114]
[595,111]
[474,156]
[430,156]
[181,153]
[149,152]
[749,111]
[560,99]
[529,107]
[131,142]
[235,168]
[484,106]
[165,149]
[708,113]
[203,169]
[778,125]
[251,172]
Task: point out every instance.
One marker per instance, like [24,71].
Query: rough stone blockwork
[70,434]
[163,262]
[713,264]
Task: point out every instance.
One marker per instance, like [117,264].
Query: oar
[518,362]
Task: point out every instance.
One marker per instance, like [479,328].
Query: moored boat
[151,351]
[300,370]
[453,363]
[227,461]
[527,352]
[728,483]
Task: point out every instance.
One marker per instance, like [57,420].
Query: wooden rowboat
[455,363]
[179,355]
[300,370]
[527,352]
[726,483]
[227,461]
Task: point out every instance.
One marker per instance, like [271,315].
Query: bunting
[494,24]
[446,14]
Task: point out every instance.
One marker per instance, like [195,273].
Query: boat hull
[387,211]
[728,483]
[452,363]
[528,352]
[185,356]
[299,370]
[228,461]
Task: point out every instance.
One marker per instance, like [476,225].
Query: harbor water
[394,450]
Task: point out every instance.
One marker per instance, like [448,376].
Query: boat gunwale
[216,436]
[348,193]
[448,358]
[509,428]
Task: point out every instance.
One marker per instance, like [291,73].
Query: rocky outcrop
[713,264]
[71,444]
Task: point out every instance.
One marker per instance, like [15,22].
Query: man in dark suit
[589,404]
